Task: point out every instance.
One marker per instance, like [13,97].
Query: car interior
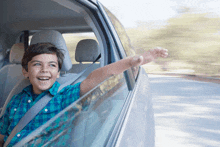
[72,28]
[28,22]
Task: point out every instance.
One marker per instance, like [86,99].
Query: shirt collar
[53,90]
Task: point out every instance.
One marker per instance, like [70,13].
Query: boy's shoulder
[16,99]
[75,88]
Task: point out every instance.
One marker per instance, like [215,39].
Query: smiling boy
[42,72]
[41,65]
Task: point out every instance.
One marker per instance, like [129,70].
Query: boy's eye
[36,64]
[52,65]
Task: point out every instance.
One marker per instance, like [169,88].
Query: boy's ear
[25,73]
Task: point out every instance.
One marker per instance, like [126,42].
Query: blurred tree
[192,38]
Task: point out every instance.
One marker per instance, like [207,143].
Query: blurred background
[189,29]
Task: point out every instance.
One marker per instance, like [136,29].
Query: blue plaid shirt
[20,104]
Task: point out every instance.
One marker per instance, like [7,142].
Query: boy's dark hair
[41,48]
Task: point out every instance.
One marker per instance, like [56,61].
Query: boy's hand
[149,56]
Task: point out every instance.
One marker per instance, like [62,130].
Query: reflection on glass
[86,122]
[123,37]
[121,33]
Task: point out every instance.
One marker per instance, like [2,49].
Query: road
[187,112]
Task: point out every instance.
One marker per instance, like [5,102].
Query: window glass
[72,40]
[121,33]
[87,122]
[123,37]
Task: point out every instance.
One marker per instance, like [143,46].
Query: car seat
[11,73]
[57,39]
[87,50]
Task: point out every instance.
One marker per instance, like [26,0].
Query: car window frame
[111,51]
[130,79]
[95,16]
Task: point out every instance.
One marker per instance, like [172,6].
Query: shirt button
[18,135]
[15,109]
[45,110]
[29,101]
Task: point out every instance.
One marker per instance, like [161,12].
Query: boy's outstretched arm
[100,74]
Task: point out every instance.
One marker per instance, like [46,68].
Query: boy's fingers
[165,51]
[160,52]
[159,48]
[164,55]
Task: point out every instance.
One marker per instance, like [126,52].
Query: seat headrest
[16,53]
[87,50]
[56,39]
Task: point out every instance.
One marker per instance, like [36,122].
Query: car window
[88,121]
[121,33]
[72,40]
[125,40]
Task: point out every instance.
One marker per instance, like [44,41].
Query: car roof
[19,15]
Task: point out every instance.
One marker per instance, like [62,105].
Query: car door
[137,127]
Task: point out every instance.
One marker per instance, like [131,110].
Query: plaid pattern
[20,104]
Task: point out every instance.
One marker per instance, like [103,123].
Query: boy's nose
[44,68]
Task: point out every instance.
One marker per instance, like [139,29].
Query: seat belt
[34,110]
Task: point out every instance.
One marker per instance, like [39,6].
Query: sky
[130,12]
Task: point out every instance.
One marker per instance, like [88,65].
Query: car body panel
[139,128]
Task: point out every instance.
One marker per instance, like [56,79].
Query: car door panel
[139,128]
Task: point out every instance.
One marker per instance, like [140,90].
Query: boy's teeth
[43,78]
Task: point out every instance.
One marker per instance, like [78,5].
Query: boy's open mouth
[43,78]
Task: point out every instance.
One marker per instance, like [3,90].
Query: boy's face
[43,70]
